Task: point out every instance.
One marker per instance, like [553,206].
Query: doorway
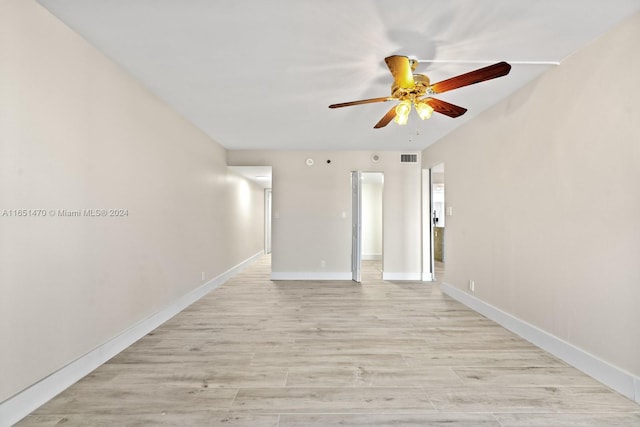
[262,176]
[367,225]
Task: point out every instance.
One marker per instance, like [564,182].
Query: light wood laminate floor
[281,354]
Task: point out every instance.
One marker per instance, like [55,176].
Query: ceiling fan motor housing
[418,90]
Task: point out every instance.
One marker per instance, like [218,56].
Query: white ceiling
[259,74]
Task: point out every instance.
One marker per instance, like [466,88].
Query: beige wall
[77,133]
[309,202]
[545,189]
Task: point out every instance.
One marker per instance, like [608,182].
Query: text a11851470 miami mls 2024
[64,213]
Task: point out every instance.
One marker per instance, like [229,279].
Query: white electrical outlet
[472,286]
[202,275]
[323,263]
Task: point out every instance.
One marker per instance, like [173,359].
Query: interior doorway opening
[367,225]
[262,176]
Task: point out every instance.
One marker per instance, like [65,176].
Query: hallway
[281,354]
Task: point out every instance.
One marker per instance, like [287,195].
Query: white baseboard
[371,257]
[23,403]
[401,276]
[427,277]
[304,275]
[621,381]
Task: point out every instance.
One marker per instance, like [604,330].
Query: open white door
[356,226]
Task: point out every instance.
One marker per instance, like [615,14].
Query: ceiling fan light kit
[402,111]
[416,90]
[424,110]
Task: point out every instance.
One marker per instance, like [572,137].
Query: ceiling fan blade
[386,119]
[362,101]
[445,108]
[400,68]
[480,75]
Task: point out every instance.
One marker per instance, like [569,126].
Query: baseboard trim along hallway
[621,381]
[20,405]
[304,275]
[401,276]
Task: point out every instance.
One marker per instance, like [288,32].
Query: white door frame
[428,273]
[428,218]
[267,220]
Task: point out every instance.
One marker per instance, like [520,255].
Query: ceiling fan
[416,89]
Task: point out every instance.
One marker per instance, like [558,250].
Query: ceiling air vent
[408,158]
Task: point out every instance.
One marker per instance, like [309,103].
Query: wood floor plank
[333,399]
[386,420]
[133,399]
[175,372]
[478,358]
[529,399]
[209,419]
[380,376]
[569,420]
[302,359]
[523,377]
